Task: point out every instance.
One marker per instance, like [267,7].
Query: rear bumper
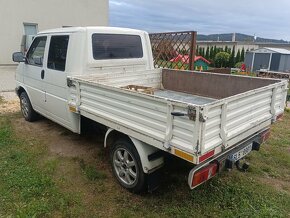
[216,164]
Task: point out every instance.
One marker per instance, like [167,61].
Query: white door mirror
[18,57]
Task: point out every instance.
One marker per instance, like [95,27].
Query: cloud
[265,18]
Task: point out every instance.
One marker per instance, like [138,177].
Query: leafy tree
[212,53]
[207,55]
[226,49]
[222,59]
[232,58]
[200,51]
[243,55]
[238,57]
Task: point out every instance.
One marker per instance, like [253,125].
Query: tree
[211,53]
[238,57]
[226,49]
[243,55]
[222,59]
[207,55]
[215,50]
[200,51]
[232,58]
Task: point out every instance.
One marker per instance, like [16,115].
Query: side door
[56,81]
[33,73]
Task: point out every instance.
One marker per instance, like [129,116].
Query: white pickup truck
[107,75]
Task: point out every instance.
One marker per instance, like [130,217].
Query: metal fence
[175,50]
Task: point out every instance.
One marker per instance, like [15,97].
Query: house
[20,20]
[271,59]
[200,63]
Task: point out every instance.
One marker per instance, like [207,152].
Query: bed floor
[183,97]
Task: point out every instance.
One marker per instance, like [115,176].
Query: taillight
[202,175]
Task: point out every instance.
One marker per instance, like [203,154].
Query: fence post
[192,50]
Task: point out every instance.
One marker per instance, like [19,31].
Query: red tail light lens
[204,174]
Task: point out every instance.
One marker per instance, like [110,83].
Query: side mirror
[18,57]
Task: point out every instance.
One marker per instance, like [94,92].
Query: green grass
[91,172]
[26,189]
[35,182]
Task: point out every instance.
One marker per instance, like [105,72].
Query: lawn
[47,171]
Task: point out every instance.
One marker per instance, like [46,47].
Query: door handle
[42,74]
[178,114]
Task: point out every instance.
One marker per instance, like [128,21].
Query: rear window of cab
[116,46]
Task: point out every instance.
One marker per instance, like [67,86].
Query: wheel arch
[151,157]
[20,89]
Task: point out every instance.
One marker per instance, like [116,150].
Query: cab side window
[36,51]
[57,53]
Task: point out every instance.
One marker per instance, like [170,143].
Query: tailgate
[233,119]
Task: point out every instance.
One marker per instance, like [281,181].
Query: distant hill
[239,37]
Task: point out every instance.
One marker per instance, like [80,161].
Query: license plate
[241,153]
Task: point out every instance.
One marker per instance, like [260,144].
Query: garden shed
[272,59]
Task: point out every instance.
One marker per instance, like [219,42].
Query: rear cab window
[116,46]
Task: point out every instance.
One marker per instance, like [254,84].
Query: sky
[263,18]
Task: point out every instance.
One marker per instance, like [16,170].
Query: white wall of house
[46,14]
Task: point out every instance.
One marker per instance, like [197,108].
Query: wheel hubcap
[125,166]
[24,107]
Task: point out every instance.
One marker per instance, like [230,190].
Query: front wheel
[127,167]
[26,108]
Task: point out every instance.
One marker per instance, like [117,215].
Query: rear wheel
[26,108]
[127,167]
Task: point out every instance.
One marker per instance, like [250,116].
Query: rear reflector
[183,155]
[206,156]
[198,177]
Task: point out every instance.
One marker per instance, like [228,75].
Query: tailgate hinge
[69,82]
[192,114]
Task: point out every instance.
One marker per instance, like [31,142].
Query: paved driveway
[7,82]
[7,78]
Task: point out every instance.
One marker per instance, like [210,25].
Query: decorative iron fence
[175,50]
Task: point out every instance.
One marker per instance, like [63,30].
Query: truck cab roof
[98,29]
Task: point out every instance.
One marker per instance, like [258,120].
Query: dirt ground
[59,140]
[10,102]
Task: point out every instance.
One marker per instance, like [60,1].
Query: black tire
[26,108]
[124,169]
